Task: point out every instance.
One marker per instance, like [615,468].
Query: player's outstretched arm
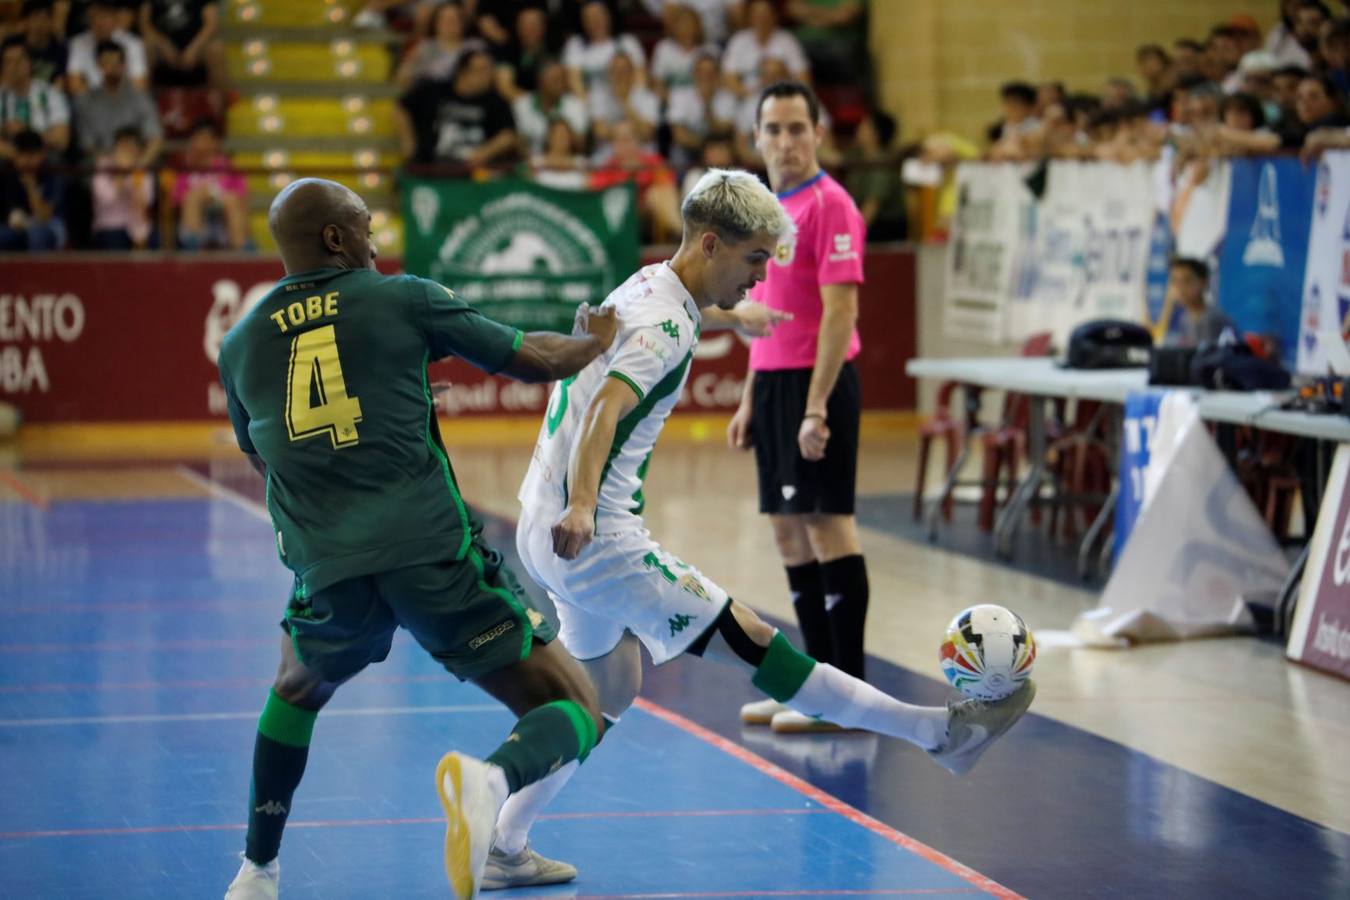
[547,356]
[576,526]
[748,317]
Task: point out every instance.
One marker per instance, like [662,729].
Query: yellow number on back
[317,372]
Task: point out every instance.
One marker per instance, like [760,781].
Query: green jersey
[326,380]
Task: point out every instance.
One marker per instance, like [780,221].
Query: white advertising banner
[1197,548]
[988,235]
[1326,282]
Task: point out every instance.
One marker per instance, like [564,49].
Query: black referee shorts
[789,484]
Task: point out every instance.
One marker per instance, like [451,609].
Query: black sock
[808,599]
[279,755]
[845,582]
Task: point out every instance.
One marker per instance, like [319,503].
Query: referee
[801,402]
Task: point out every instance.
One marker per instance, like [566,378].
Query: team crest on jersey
[690,583]
[787,250]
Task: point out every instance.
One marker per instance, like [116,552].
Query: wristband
[820,416]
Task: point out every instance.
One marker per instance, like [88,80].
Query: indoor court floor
[139,594]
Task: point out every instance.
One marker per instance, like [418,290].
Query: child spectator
[210,194]
[124,195]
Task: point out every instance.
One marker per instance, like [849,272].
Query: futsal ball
[988,652]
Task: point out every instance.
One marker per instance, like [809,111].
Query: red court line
[380,823]
[831,803]
[863,892]
[23,490]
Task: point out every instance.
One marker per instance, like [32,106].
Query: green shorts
[471,615]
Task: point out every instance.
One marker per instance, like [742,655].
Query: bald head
[319,224]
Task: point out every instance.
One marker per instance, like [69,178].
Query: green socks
[545,739]
[279,756]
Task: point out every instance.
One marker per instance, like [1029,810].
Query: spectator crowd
[97,151]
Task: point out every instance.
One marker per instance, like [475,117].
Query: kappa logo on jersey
[679,622]
[491,634]
[670,328]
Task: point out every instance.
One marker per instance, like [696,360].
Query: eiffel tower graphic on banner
[1263,244]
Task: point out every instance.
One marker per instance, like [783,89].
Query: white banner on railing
[988,235]
[1326,284]
[1088,256]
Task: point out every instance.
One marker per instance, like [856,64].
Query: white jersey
[659,327]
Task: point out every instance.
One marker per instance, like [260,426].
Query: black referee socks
[846,593]
[808,599]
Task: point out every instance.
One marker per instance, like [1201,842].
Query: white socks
[844,700]
[525,805]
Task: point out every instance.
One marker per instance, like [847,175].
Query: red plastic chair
[1004,444]
[938,427]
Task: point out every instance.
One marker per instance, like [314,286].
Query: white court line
[251,714]
[221,492]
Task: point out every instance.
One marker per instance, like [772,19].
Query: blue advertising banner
[1141,420]
[1265,250]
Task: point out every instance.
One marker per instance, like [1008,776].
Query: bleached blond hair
[735,205]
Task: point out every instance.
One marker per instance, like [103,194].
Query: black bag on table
[1109,344]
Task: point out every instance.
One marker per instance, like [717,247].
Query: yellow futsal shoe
[471,802]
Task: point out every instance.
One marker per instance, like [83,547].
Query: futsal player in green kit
[327,386]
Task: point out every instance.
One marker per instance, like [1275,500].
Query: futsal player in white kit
[581,534]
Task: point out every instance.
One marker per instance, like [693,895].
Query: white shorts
[621,581]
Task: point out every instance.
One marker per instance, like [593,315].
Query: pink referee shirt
[828,249]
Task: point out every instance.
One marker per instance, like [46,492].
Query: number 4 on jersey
[316,375]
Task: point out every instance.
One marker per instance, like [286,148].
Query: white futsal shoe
[255,882]
[524,869]
[761,712]
[974,725]
[471,802]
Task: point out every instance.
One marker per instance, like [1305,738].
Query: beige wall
[939,62]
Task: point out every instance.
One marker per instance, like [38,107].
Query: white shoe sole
[469,819]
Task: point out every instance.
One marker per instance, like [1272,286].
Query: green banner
[524,254]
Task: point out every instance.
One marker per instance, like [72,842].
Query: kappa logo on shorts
[491,634]
[679,622]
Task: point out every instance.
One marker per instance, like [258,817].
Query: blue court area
[137,640]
